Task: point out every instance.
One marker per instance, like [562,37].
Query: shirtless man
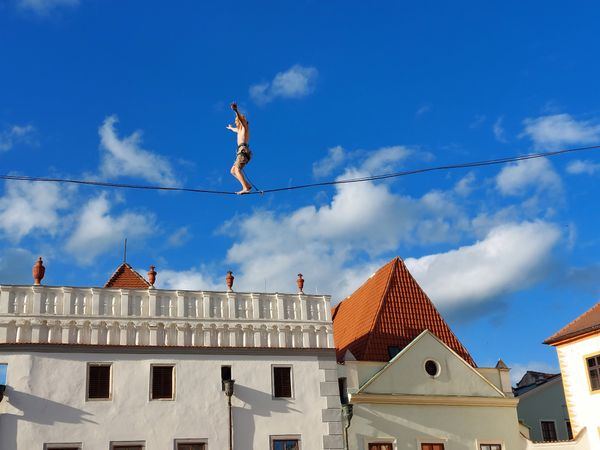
[243,151]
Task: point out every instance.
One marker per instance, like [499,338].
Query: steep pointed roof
[127,278]
[587,323]
[385,314]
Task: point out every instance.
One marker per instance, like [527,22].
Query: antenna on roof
[125,251]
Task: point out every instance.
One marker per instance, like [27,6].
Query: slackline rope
[404,173]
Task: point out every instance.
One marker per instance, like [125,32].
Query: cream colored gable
[405,374]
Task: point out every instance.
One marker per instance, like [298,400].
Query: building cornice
[432,400]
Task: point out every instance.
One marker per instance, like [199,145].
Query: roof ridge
[563,333]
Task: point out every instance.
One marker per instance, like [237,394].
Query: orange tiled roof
[588,322]
[389,309]
[126,277]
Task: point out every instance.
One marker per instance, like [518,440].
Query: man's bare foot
[243,191]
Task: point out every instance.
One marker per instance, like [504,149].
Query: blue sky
[138,92]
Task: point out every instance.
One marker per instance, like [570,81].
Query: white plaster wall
[45,401]
[457,427]
[583,403]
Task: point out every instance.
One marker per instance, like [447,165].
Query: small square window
[127,446]
[490,447]
[191,446]
[162,382]
[64,446]
[548,431]
[593,365]
[282,382]
[99,377]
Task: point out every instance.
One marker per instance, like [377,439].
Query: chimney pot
[38,271]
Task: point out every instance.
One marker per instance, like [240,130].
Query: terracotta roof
[389,310]
[588,322]
[126,277]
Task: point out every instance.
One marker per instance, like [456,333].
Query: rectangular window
[127,447]
[548,431]
[593,365]
[282,382]
[191,446]
[432,446]
[3,370]
[490,447]
[99,381]
[285,444]
[162,382]
[62,447]
[380,446]
[569,429]
[225,375]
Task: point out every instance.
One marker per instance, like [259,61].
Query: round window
[432,368]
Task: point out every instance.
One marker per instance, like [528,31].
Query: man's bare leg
[238,174]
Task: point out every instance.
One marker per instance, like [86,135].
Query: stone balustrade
[99,316]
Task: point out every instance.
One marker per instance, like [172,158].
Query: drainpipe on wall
[229,384]
[347,413]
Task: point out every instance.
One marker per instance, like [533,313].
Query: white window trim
[499,442]
[173,384]
[190,441]
[291,367]
[116,443]
[277,437]
[73,445]
[368,441]
[87,381]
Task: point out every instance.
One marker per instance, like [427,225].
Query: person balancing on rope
[243,150]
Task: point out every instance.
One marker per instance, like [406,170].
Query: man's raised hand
[234,106]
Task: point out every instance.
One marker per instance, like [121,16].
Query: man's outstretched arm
[238,114]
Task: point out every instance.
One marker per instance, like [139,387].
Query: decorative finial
[229,279]
[300,284]
[38,271]
[152,275]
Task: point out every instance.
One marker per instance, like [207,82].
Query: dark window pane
[128,447]
[595,379]
[99,382]
[569,430]
[343,387]
[162,382]
[548,431]
[285,444]
[431,367]
[190,447]
[282,382]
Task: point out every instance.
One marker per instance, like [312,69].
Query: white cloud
[560,129]
[517,178]
[585,166]
[336,156]
[510,258]
[296,82]
[385,159]
[126,158]
[43,7]
[464,186]
[15,134]
[28,207]
[179,237]
[338,245]
[193,279]
[96,231]
[498,129]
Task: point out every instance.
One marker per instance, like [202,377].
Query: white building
[128,366]
[578,349]
[411,382]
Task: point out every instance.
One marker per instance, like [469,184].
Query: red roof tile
[389,310]
[587,323]
[127,278]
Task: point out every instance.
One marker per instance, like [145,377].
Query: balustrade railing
[98,316]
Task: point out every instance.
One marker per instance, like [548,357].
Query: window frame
[588,371]
[173,382]
[292,390]
[285,437]
[438,373]
[69,445]
[498,443]
[203,441]
[431,441]
[375,441]
[110,382]
[542,421]
[115,444]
